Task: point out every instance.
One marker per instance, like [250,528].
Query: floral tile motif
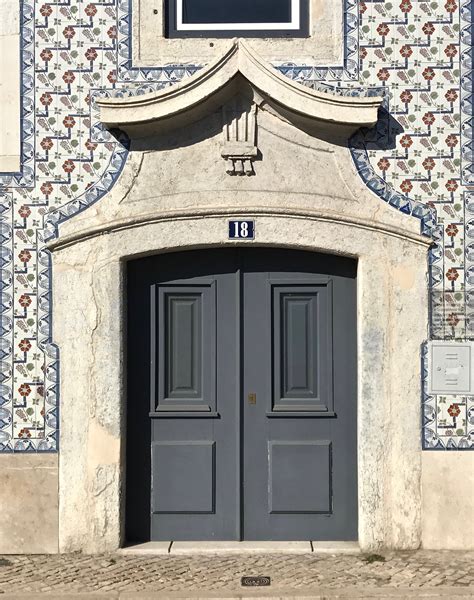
[417,54]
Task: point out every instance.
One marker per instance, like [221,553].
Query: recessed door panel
[298,351]
[183,346]
[183,477]
[300,477]
[302,345]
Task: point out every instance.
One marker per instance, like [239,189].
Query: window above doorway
[228,18]
[317,37]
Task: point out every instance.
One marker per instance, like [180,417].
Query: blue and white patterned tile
[417,53]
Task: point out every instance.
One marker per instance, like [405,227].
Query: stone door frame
[176,193]
[89,323]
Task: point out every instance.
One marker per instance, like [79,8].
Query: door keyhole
[252,398]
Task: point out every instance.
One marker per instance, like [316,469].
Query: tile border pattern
[32,193]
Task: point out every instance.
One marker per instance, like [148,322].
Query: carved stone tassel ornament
[239,131]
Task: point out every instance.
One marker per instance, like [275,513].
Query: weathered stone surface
[9,23]
[181,174]
[29,522]
[448,500]
[9,86]
[89,299]
[9,89]
[174,194]
[323,46]
[237,68]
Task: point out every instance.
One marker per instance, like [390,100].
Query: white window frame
[156,41]
[294,24]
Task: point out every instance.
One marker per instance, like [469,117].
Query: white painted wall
[9,85]
[448,500]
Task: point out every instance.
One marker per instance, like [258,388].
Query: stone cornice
[239,59]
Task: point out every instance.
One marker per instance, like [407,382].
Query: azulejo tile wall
[419,160]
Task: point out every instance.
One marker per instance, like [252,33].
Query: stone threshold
[175,548]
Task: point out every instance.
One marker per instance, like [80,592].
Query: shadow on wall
[381,137]
[384,135]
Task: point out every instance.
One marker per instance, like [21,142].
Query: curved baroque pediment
[217,81]
[190,142]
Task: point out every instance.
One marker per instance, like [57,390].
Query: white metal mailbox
[450,367]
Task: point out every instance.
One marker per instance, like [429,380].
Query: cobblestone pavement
[63,575]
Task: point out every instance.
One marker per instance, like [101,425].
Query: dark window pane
[236,11]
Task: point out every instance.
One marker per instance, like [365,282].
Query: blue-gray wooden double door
[241,404]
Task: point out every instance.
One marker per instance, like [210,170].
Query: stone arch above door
[238,116]
[89,301]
